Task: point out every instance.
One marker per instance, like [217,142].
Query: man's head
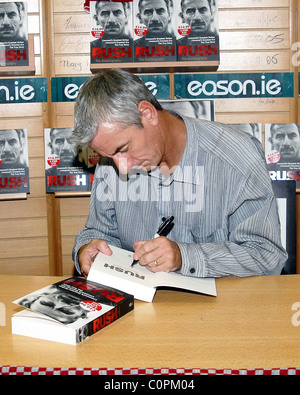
[155,14]
[11,147]
[11,20]
[115,114]
[285,138]
[198,14]
[112,16]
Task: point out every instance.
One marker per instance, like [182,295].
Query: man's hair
[166,1]
[112,96]
[209,3]
[275,126]
[97,6]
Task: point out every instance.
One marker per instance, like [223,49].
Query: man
[112,17]
[199,15]
[285,138]
[11,21]
[211,178]
[62,145]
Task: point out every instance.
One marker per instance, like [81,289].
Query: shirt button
[192,270]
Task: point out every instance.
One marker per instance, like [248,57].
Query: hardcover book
[111,32]
[13,34]
[66,162]
[115,271]
[154,36]
[197,30]
[14,167]
[282,150]
[70,311]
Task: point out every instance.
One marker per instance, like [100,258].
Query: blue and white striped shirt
[226,221]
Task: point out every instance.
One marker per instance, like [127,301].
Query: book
[14,166]
[70,310]
[115,271]
[66,166]
[153,28]
[14,34]
[111,32]
[282,151]
[197,31]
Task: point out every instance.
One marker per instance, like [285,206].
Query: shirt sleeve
[101,222]
[251,243]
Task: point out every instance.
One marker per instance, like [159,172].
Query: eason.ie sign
[249,85]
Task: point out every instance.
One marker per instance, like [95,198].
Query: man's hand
[88,252]
[158,255]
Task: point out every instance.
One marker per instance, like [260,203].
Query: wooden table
[247,326]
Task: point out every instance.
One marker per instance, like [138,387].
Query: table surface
[247,326]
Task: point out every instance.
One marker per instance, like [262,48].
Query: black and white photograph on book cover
[14,166]
[111,37]
[194,108]
[154,35]
[13,34]
[197,30]
[282,150]
[80,305]
[66,163]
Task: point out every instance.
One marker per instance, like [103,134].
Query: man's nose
[123,164]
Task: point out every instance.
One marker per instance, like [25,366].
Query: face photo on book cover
[55,303]
[154,19]
[110,21]
[62,151]
[13,149]
[283,144]
[196,19]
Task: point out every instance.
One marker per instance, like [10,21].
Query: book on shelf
[70,310]
[14,34]
[115,271]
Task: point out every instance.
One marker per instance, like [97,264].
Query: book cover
[70,311]
[282,150]
[115,270]
[13,34]
[194,108]
[154,36]
[197,30]
[65,162]
[14,167]
[111,38]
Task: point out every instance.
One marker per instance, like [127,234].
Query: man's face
[10,147]
[129,147]
[63,146]
[286,141]
[63,307]
[10,21]
[155,15]
[197,14]
[112,18]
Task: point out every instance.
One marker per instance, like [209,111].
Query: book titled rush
[70,311]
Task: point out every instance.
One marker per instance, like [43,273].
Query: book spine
[104,320]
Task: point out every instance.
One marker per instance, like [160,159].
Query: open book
[116,271]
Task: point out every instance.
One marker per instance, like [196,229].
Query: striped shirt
[226,221]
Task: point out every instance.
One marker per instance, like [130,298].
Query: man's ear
[148,112]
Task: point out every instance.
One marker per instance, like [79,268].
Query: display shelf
[13,196]
[22,70]
[156,67]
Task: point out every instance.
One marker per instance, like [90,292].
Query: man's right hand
[88,253]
